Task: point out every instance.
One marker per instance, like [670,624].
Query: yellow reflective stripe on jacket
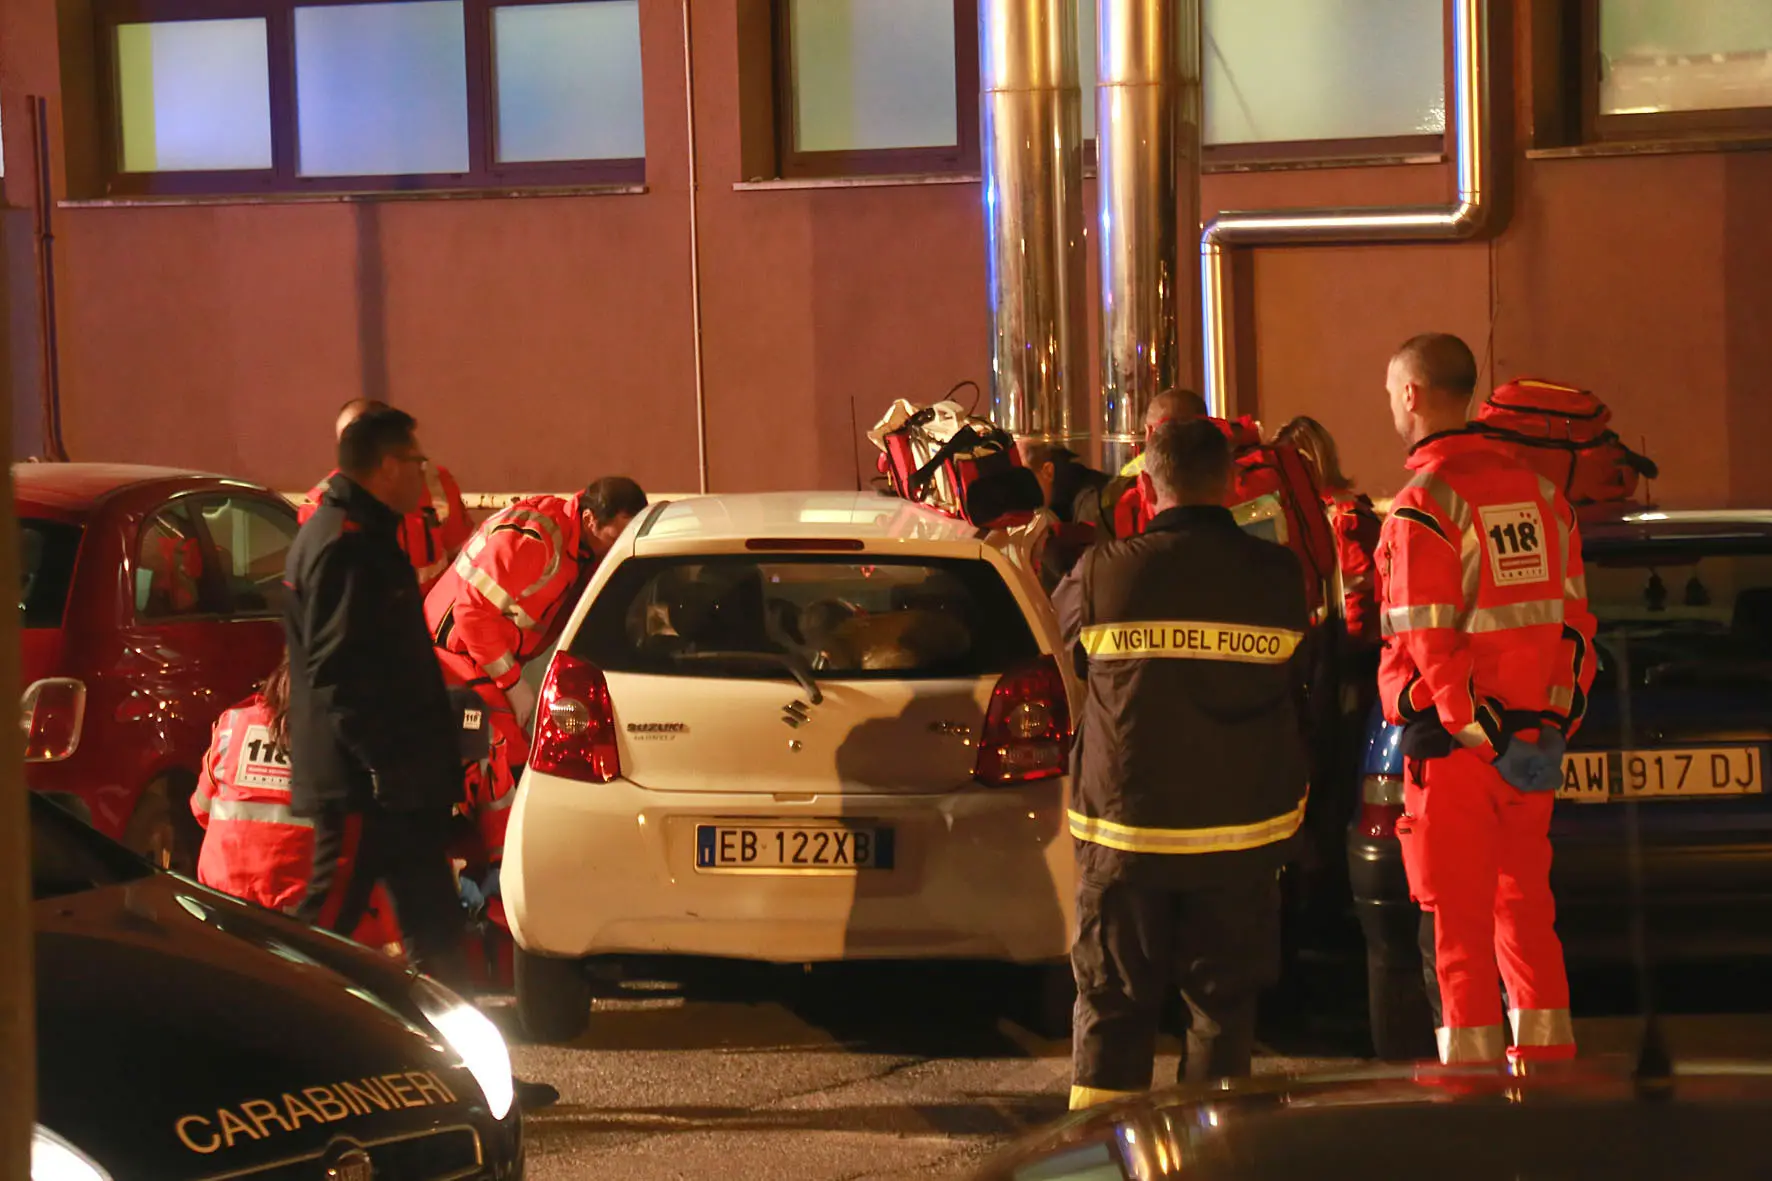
[1227,838]
[1187,640]
[1133,466]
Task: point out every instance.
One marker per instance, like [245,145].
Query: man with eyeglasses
[431,534]
[374,739]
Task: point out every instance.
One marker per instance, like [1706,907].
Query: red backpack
[956,463]
[1275,497]
[1562,433]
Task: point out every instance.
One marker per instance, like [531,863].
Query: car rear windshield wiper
[796,667]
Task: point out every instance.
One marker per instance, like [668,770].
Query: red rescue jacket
[1357,526]
[432,536]
[254,847]
[506,597]
[1485,616]
[490,786]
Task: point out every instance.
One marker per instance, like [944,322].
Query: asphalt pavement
[737,1071]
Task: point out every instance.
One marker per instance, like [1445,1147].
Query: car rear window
[46,569]
[1703,600]
[839,615]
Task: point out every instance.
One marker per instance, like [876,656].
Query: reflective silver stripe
[203,802]
[439,500]
[1358,582]
[516,515]
[434,571]
[1561,697]
[1398,620]
[1537,613]
[1470,556]
[498,596]
[1542,1027]
[1472,735]
[1451,503]
[1575,588]
[498,668]
[259,812]
[1547,490]
[502,802]
[1478,1043]
[1227,838]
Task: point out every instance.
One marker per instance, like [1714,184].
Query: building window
[250,96]
[1693,67]
[877,86]
[1311,78]
[870,86]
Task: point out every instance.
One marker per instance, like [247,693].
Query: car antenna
[1654,1073]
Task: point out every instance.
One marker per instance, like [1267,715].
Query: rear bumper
[982,873]
[1704,899]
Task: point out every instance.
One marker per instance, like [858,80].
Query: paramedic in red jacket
[1487,661]
[1354,521]
[506,597]
[434,534]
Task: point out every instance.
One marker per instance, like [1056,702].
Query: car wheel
[553,997]
[162,830]
[1402,1023]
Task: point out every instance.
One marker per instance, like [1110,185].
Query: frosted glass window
[1280,70]
[568,79]
[194,95]
[873,74]
[1697,55]
[381,89]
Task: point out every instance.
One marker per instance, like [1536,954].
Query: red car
[149,600]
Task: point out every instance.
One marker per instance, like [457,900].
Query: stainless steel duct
[1148,143]
[1032,144]
[1464,218]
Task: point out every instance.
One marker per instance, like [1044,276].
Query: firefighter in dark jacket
[1188,774]
[373,735]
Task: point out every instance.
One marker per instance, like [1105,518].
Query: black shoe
[535,1096]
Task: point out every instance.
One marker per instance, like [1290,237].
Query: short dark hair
[1189,462]
[363,406]
[1175,405]
[612,497]
[1440,361]
[1042,453]
[372,437]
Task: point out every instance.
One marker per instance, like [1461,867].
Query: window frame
[963,157]
[283,177]
[792,164]
[248,502]
[215,600]
[1598,128]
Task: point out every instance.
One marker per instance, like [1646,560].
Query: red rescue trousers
[1478,855]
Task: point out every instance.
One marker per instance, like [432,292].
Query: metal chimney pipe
[1032,147]
[1148,113]
[1464,218]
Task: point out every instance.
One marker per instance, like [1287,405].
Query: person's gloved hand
[1533,766]
[522,699]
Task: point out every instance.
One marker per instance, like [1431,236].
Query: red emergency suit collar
[1437,449]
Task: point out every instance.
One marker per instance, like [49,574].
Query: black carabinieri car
[183,1034]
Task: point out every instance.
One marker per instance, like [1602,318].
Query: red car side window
[169,569]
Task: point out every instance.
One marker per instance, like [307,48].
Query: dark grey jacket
[1189,764]
[369,716]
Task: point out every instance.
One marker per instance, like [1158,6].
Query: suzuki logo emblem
[796,714]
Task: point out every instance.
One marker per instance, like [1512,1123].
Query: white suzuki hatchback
[794,727]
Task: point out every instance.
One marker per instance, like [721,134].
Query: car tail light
[575,723]
[1027,734]
[1381,804]
[51,714]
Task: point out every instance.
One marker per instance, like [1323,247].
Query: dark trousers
[1219,945]
[408,853]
